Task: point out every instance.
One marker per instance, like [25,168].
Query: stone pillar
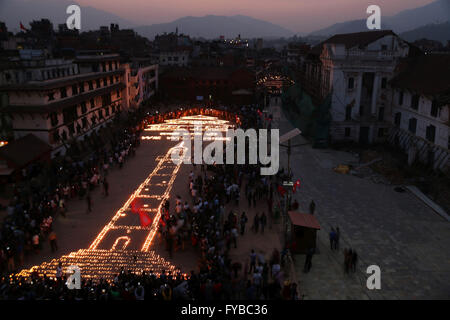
[375,94]
[358,94]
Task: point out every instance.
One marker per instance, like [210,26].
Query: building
[355,69]
[17,155]
[203,84]
[420,110]
[142,81]
[173,49]
[61,100]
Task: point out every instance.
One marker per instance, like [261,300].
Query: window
[347,132]
[398,119]
[81,87]
[70,114]
[54,119]
[118,93]
[383,47]
[106,100]
[92,103]
[51,96]
[107,111]
[412,125]
[97,83]
[105,82]
[104,66]
[111,80]
[348,113]
[431,133]
[83,107]
[400,98]
[110,65]
[91,85]
[415,102]
[381,114]
[84,122]
[351,83]
[383,83]
[116,65]
[380,132]
[434,109]
[71,128]
[64,135]
[56,136]
[63,92]
[169,59]
[74,89]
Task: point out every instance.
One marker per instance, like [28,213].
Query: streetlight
[287,137]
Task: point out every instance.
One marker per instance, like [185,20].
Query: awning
[304,220]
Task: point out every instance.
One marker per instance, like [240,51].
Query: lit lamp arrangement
[96,263]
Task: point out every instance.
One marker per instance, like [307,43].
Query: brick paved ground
[396,231]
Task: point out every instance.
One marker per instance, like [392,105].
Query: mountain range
[429,20]
[212,26]
[436,13]
[13,12]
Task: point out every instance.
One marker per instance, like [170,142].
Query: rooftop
[426,74]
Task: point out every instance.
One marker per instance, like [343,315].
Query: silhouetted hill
[212,26]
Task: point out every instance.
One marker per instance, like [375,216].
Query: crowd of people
[46,190]
[199,221]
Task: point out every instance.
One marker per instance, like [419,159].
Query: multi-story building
[421,114]
[355,69]
[142,81]
[173,49]
[60,100]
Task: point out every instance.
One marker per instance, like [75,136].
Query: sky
[297,15]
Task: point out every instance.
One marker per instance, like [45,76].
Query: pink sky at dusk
[296,15]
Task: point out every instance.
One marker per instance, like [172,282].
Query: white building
[356,69]
[421,115]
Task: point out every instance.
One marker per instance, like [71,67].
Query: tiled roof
[351,40]
[24,150]
[427,74]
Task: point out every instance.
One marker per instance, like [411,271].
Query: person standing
[52,240]
[354,260]
[244,220]
[263,221]
[332,238]
[312,207]
[256,223]
[234,235]
[105,187]
[308,260]
[338,236]
[252,262]
[89,202]
[59,271]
